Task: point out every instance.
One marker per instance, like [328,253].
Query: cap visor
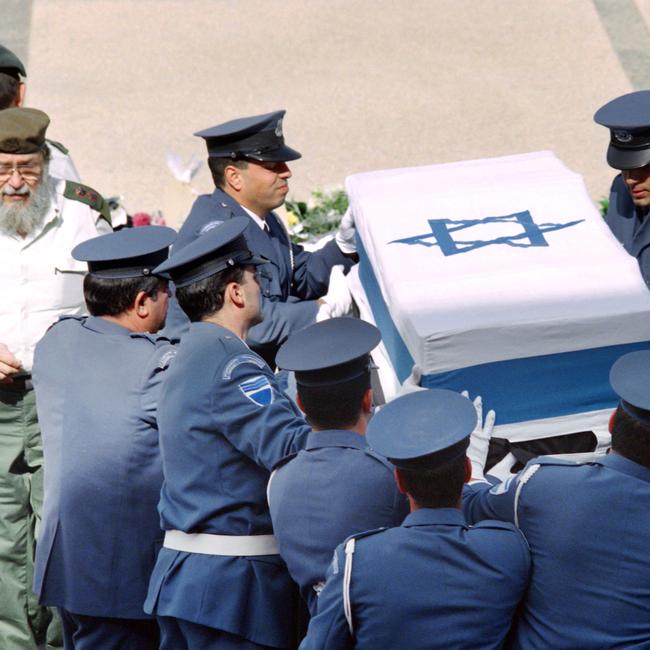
[281,154]
[627,158]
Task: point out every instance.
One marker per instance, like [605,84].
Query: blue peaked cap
[628,119]
[219,248]
[329,352]
[259,137]
[127,253]
[630,379]
[431,426]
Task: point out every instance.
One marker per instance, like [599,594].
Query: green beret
[22,130]
[10,63]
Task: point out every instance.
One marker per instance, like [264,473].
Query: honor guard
[588,531]
[248,161]
[433,582]
[97,380]
[337,485]
[219,581]
[628,121]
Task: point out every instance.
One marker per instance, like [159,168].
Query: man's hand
[345,235]
[479,441]
[9,365]
[338,299]
[411,384]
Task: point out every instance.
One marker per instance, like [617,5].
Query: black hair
[206,297]
[631,438]
[8,89]
[436,488]
[110,297]
[218,167]
[334,406]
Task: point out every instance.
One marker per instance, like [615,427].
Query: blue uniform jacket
[589,534]
[431,583]
[291,281]
[332,489]
[224,424]
[97,389]
[623,221]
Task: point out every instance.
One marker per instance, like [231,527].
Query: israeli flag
[500,277]
[258,390]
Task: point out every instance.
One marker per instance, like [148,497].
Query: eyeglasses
[28,171]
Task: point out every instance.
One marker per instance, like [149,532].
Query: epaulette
[570,460]
[57,145]
[365,533]
[379,458]
[87,195]
[153,338]
[66,317]
[284,460]
[499,525]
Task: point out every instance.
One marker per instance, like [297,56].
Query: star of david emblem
[444,233]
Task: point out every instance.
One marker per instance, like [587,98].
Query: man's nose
[16,180]
[284,170]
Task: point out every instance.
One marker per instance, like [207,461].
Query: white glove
[338,299]
[502,469]
[479,440]
[411,384]
[345,235]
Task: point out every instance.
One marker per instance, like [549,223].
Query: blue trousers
[94,633]
[178,634]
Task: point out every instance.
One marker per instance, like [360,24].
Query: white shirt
[40,280]
[258,220]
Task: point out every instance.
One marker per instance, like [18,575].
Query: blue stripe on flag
[518,390]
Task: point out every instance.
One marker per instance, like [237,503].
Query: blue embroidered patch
[258,390]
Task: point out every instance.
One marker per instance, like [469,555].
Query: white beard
[23,218]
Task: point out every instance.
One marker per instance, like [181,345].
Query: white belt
[232,545]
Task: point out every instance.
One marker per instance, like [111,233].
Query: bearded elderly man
[41,220]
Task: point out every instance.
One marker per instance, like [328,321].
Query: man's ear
[468,470]
[20,95]
[366,402]
[140,306]
[234,294]
[612,417]
[301,406]
[233,177]
[400,481]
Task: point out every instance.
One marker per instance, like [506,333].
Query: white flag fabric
[499,276]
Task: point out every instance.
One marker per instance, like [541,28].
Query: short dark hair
[435,488]
[334,406]
[8,89]
[110,297]
[631,438]
[218,167]
[205,297]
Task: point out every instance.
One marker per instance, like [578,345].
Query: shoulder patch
[166,358]
[57,145]
[238,361]
[208,227]
[84,194]
[258,390]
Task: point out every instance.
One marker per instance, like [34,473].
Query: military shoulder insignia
[57,145]
[87,195]
[258,390]
[238,361]
[209,226]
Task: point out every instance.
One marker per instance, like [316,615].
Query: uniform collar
[103,326]
[435,516]
[626,466]
[335,438]
[216,330]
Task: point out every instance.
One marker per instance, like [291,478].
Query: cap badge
[622,136]
[278,128]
